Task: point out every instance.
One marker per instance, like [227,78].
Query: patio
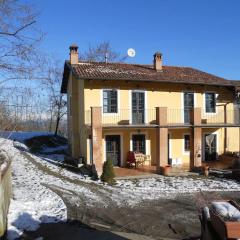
[149,171]
[126,172]
[224,162]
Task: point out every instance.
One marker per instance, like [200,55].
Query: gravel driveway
[171,218]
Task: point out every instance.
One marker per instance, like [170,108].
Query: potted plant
[108,172]
[166,170]
[206,170]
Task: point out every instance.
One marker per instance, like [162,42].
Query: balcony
[221,118]
[126,117]
[174,118]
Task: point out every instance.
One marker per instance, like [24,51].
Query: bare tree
[57,104]
[102,52]
[56,100]
[20,58]
[19,38]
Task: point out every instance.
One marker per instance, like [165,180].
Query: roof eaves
[162,81]
[69,68]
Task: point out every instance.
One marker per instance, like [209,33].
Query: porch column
[196,139]
[161,138]
[225,129]
[96,130]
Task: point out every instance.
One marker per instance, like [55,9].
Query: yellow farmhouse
[172,115]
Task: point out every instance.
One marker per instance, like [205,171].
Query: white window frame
[182,102]
[203,143]
[121,146]
[170,145]
[147,141]
[204,103]
[145,105]
[118,102]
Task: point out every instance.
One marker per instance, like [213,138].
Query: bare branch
[18,30]
[102,52]
[20,38]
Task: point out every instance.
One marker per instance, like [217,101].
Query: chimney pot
[157,61]
[73,54]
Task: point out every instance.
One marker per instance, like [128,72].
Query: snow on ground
[133,191]
[180,184]
[34,203]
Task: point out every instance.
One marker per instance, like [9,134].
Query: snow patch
[32,203]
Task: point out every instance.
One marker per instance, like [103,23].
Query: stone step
[176,170]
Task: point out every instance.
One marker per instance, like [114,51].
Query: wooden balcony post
[196,116]
[96,129]
[161,138]
[196,139]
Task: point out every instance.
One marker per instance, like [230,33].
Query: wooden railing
[5,192]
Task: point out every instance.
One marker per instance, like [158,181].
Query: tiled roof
[136,72]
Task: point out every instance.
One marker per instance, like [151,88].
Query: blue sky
[204,34]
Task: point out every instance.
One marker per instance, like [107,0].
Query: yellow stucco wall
[89,93]
[233,139]
[159,95]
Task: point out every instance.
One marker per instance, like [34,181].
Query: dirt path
[153,219]
[78,209]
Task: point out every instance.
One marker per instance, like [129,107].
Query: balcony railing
[178,116]
[175,117]
[126,117]
[221,117]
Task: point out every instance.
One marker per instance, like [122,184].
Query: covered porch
[156,138]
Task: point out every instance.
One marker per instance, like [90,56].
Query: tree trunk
[57,125]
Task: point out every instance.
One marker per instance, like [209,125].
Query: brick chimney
[73,54]
[157,61]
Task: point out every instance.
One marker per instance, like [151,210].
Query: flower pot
[206,171]
[166,170]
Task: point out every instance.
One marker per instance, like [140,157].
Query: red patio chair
[131,160]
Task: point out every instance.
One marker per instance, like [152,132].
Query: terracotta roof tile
[136,72]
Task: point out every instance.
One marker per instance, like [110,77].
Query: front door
[113,149]
[139,143]
[138,106]
[188,105]
[210,142]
